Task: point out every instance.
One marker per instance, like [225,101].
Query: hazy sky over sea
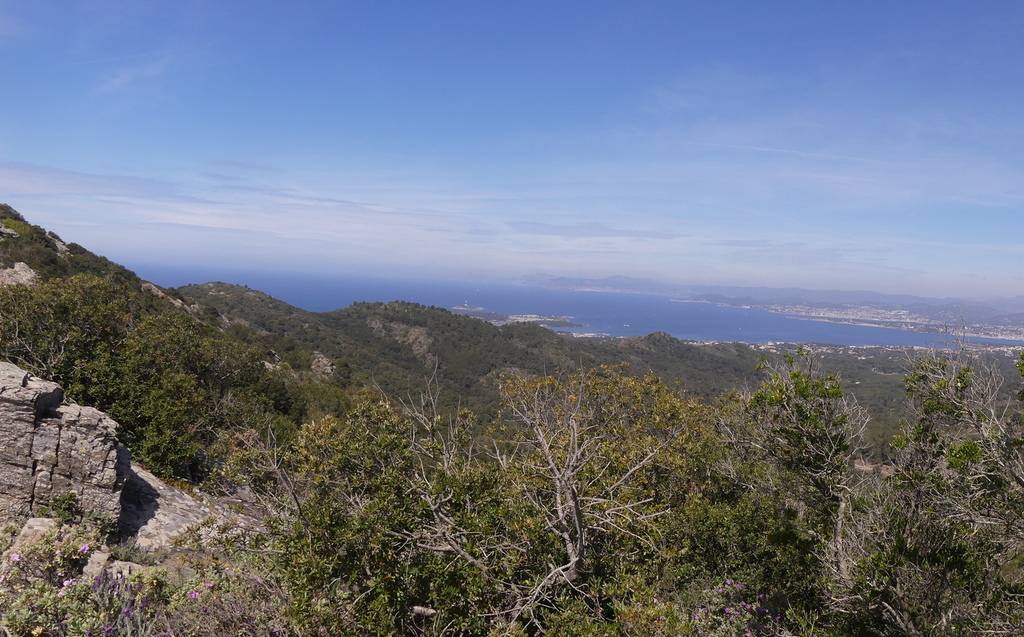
[876,145]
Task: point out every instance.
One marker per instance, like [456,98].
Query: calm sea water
[608,313]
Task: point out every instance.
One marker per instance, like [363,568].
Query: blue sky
[872,146]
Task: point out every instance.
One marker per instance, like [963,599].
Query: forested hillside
[168,372]
[398,346]
[538,485]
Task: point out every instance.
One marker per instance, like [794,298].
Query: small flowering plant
[104,606]
[214,603]
[732,609]
[45,594]
[196,590]
[57,556]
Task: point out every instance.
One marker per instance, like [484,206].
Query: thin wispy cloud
[343,231]
[796,153]
[135,73]
[588,230]
[718,148]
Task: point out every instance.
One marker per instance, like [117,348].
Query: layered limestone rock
[49,449]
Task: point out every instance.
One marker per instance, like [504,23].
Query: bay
[594,312]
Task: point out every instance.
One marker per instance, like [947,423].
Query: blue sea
[604,313]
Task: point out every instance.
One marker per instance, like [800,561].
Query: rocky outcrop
[49,449]
[157,292]
[20,274]
[322,367]
[414,336]
[62,248]
[31,532]
[155,513]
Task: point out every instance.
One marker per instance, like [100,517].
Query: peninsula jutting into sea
[983,319]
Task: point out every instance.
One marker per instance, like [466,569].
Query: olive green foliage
[936,547]
[750,517]
[180,382]
[56,328]
[176,378]
[810,428]
[173,383]
[341,564]
[393,523]
[396,345]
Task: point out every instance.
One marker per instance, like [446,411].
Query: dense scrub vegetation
[609,505]
[48,255]
[396,345]
[603,500]
[613,505]
[175,381]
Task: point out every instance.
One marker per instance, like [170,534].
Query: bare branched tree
[566,466]
[978,440]
[955,490]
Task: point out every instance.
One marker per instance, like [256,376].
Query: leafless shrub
[567,467]
[929,548]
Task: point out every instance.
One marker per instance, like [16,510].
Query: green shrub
[17,225]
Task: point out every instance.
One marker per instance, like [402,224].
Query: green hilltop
[398,346]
